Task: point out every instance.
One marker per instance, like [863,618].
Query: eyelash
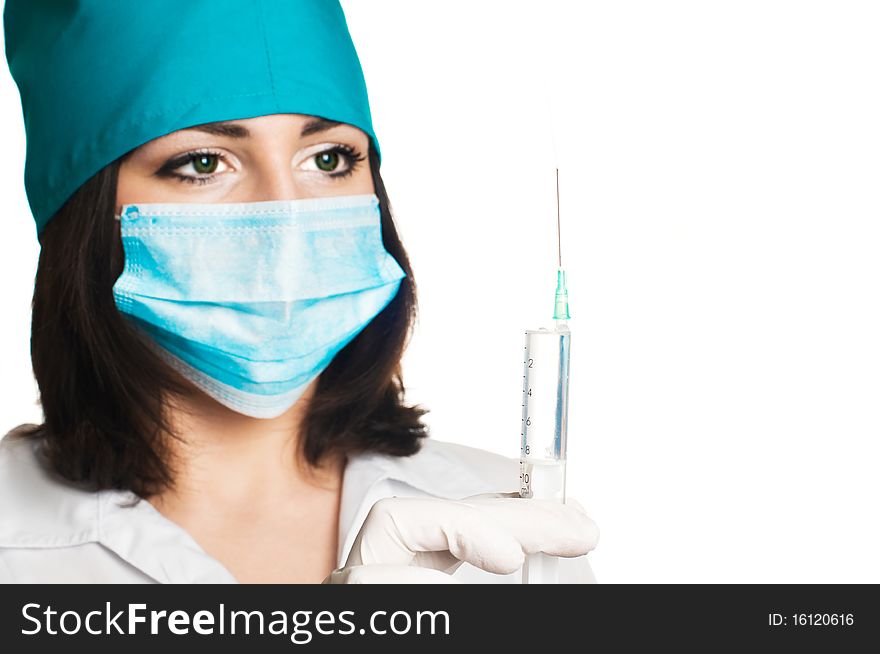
[352,156]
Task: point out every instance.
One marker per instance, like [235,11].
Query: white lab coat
[51,532]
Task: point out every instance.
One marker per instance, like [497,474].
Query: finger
[569,501]
[378,573]
[443,561]
[542,525]
[483,496]
[491,533]
[398,529]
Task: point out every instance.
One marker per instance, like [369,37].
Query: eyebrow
[236,131]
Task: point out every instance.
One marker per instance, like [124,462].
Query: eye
[327,161]
[205,164]
[197,167]
[330,160]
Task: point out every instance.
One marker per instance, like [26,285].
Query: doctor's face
[274,157]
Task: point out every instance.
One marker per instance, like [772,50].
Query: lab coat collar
[39,510]
[443,469]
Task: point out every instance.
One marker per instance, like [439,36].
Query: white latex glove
[424,540]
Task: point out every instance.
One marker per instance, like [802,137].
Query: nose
[274,179]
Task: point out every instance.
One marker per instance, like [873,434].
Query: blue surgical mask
[251,301]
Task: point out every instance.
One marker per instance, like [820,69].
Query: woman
[220,309]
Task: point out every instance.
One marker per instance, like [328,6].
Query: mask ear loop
[132,211]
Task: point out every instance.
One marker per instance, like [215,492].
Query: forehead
[271,125]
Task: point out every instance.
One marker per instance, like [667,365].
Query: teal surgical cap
[98,78]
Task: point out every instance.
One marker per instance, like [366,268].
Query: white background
[719,199]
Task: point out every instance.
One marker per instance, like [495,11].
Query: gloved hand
[424,540]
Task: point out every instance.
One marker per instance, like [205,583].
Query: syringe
[545,413]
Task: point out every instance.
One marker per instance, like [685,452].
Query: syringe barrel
[547,354]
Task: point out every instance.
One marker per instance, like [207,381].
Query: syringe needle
[560,312]
[558,227]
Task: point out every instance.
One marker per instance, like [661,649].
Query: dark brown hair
[103,389]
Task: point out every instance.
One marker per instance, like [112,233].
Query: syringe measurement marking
[527,421]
